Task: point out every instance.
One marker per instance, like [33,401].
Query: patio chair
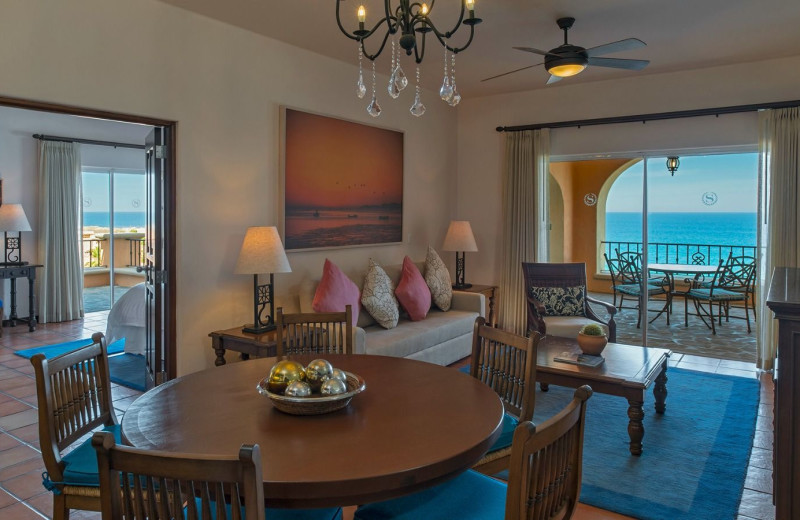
[629,283]
[156,484]
[506,363]
[558,303]
[74,396]
[314,332]
[544,481]
[730,284]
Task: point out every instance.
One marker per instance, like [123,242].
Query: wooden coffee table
[627,372]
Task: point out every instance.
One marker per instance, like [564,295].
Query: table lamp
[262,252]
[13,220]
[459,238]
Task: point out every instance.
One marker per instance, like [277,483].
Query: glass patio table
[415,425]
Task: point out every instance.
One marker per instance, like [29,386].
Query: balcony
[128,254]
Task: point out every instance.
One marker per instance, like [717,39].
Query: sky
[703,183]
[129,192]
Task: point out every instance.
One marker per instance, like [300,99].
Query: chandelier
[412,22]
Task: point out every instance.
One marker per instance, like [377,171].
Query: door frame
[170,199]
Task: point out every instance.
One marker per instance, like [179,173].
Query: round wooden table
[415,425]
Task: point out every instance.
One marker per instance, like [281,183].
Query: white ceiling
[680,34]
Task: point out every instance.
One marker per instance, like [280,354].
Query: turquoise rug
[51,351]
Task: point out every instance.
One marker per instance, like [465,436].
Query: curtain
[779,212]
[61,281]
[525,219]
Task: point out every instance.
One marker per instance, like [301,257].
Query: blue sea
[122,219]
[715,229]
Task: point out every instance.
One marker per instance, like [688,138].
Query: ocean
[122,219]
[715,229]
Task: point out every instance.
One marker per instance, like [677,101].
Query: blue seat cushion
[636,290]
[507,435]
[718,295]
[469,496]
[81,463]
[331,513]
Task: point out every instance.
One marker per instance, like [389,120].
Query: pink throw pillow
[412,292]
[335,291]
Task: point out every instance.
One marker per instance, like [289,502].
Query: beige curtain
[779,212]
[525,219]
[61,280]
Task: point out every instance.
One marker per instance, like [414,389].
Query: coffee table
[628,371]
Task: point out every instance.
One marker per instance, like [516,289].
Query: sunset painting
[343,183]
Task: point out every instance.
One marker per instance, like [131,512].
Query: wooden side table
[489,291]
[261,345]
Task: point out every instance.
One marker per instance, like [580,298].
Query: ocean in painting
[305,228]
[122,219]
[696,229]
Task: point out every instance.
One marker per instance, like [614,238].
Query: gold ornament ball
[339,374]
[318,371]
[298,389]
[333,387]
[283,373]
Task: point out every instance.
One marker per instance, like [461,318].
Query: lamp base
[461,286]
[250,329]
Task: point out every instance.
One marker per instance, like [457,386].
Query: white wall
[480,146]
[224,86]
[19,161]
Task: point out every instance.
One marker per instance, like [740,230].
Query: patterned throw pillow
[438,279]
[377,296]
[561,301]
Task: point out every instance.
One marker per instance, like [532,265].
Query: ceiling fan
[568,60]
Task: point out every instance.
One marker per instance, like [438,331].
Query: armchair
[546,281]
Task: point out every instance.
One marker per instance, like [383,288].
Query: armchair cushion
[561,301]
[568,326]
[507,435]
[80,465]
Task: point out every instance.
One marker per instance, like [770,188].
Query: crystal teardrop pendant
[455,98]
[374,109]
[361,89]
[400,79]
[393,89]
[446,91]
[417,109]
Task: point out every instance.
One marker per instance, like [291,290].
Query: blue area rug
[695,455]
[51,351]
[128,370]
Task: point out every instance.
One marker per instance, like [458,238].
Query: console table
[12,272]
[261,345]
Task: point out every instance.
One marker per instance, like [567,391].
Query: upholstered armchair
[558,304]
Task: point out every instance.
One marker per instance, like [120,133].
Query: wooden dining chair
[544,480]
[314,332]
[506,363]
[74,397]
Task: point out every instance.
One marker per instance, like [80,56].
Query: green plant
[593,329]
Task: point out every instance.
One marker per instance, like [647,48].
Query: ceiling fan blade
[553,79]
[618,63]
[511,72]
[622,45]
[535,51]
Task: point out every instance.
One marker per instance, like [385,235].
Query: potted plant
[592,339]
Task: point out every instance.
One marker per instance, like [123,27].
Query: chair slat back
[314,332]
[74,397]
[158,485]
[506,363]
[546,464]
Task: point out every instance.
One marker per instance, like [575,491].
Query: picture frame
[341,182]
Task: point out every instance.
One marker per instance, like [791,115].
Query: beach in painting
[342,227]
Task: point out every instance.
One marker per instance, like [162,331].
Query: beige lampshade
[459,237]
[262,252]
[12,218]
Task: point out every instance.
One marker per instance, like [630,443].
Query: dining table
[415,425]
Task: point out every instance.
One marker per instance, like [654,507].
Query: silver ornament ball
[298,389]
[333,387]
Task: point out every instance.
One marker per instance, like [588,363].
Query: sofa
[441,338]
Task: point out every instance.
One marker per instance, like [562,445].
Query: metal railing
[677,253]
[135,252]
[92,252]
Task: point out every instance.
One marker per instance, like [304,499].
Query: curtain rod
[652,117]
[42,137]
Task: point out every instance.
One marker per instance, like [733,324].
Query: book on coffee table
[579,359]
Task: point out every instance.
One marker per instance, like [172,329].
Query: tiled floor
[22,495]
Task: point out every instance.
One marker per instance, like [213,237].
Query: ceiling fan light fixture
[567,70]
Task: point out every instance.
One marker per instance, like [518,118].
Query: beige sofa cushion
[410,337]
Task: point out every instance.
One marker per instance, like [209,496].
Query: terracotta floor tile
[14,382]
[43,503]
[25,486]
[7,442]
[23,392]
[739,365]
[5,499]
[761,458]
[19,419]
[697,367]
[18,362]
[757,505]
[700,360]
[16,455]
[586,512]
[763,439]
[29,434]
[19,511]
[36,464]
[758,479]
[12,407]
[763,423]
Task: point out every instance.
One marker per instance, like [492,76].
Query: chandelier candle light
[262,252]
[412,21]
[459,238]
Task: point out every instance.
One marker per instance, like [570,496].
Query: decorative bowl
[592,345]
[317,404]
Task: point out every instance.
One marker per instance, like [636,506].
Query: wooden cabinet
[784,300]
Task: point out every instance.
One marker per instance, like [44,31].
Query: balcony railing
[676,253]
[95,254]
[92,253]
[135,252]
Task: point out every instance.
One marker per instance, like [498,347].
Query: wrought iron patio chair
[729,284]
[506,363]
[565,279]
[630,277]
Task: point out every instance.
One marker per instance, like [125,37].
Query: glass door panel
[95,237]
[129,225]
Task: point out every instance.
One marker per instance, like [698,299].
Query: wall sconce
[672,164]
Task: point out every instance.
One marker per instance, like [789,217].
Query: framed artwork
[342,182]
